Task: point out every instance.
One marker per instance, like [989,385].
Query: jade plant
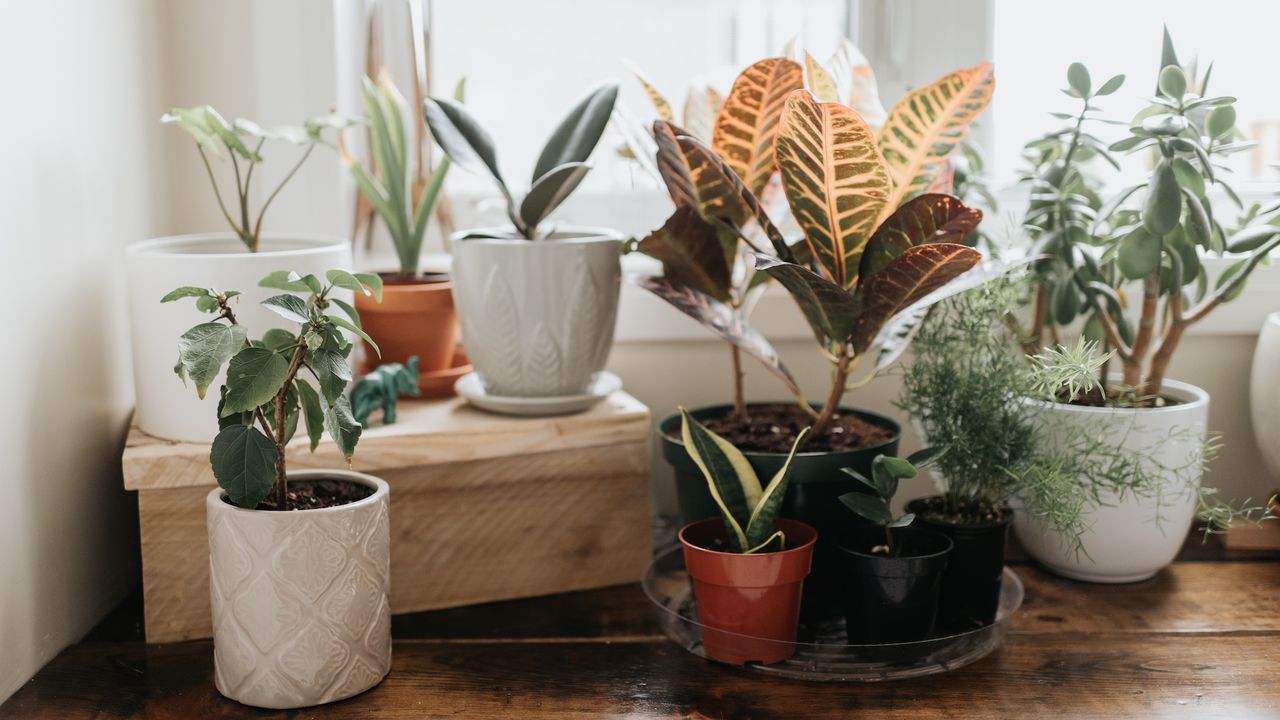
[886,472]
[1153,233]
[404,208]
[264,395]
[242,142]
[561,166]
[750,511]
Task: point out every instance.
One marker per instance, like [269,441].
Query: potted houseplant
[537,302]
[747,566]
[229,259]
[859,280]
[416,316]
[299,561]
[1153,234]
[894,570]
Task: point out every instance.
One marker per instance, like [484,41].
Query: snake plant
[750,512]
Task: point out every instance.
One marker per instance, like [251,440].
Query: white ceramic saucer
[469,387]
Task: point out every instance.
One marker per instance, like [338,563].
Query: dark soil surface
[772,428]
[317,494]
[935,508]
[1094,398]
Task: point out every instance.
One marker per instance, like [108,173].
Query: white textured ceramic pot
[1264,393]
[300,599]
[217,260]
[1130,538]
[538,317]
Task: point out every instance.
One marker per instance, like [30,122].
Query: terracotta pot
[748,605]
[300,599]
[415,317]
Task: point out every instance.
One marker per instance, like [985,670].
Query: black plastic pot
[891,599]
[971,583]
[815,484]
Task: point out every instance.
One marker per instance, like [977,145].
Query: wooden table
[1200,640]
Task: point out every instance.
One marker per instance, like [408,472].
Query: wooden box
[483,507]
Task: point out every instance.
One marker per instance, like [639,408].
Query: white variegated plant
[750,511]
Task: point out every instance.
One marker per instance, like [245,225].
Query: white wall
[80,164]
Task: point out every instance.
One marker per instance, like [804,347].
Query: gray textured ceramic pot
[537,316]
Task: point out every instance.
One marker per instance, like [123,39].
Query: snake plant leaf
[462,138]
[747,123]
[926,125]
[835,180]
[730,478]
[691,253]
[908,279]
[205,348]
[254,376]
[549,191]
[341,424]
[764,517]
[244,464]
[831,310]
[717,317]
[579,132]
[922,219]
[767,543]
[819,81]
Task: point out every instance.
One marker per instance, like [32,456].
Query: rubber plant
[242,142]
[1152,232]
[264,397]
[561,166]
[405,209]
[750,511]
[879,242]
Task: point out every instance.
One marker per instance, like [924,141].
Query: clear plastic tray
[822,653]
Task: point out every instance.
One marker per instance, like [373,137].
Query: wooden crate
[483,507]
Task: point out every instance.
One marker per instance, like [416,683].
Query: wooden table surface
[1201,639]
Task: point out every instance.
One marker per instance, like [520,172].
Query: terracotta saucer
[439,384]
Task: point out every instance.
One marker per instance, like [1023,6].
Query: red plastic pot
[748,605]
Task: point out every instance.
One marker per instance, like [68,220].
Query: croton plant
[880,233]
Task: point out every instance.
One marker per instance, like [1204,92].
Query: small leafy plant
[242,141]
[886,472]
[404,209]
[264,397]
[750,512]
[560,167]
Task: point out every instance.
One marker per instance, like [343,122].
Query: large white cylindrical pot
[1264,393]
[538,316]
[300,599]
[1130,537]
[165,408]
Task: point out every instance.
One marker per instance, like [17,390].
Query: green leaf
[347,281]
[464,140]
[691,253]
[195,123]
[289,307]
[331,370]
[1173,82]
[871,507]
[904,520]
[373,281]
[910,278]
[1111,85]
[285,280]
[244,418]
[227,134]
[899,468]
[831,310]
[1220,121]
[342,425]
[203,349]
[730,478]
[925,457]
[208,304]
[1188,177]
[254,376]
[1252,238]
[1163,206]
[1198,224]
[278,339]
[1066,302]
[1139,254]
[312,411]
[1078,79]
[764,517]
[550,190]
[186,292]
[578,133]
[244,463]
[349,310]
[860,478]
[340,322]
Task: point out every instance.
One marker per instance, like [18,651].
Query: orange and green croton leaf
[747,123]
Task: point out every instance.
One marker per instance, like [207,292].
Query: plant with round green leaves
[404,208]
[560,167]
[886,472]
[242,141]
[750,511]
[264,396]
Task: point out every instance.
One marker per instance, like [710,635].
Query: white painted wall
[79,182]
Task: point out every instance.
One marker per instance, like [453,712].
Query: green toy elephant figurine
[382,387]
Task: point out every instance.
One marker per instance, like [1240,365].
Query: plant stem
[739,395]
[243,193]
[832,404]
[1146,329]
[218,193]
[257,226]
[888,538]
[281,485]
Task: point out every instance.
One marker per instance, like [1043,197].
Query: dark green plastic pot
[971,582]
[815,485]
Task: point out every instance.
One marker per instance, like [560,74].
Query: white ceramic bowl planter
[1264,393]
[538,316]
[215,260]
[300,598]
[1129,538]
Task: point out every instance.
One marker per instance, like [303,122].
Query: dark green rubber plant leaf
[691,253]
[831,310]
[579,132]
[204,349]
[254,376]
[244,464]
[466,143]
[932,217]
[908,279]
[549,191]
